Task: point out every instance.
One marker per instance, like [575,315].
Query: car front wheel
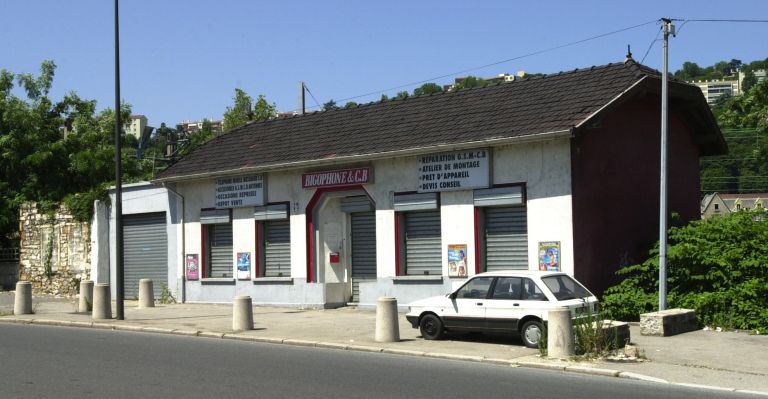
[431,327]
[531,333]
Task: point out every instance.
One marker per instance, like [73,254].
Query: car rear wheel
[431,327]
[531,333]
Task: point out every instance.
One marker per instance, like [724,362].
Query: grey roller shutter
[145,252]
[277,248]
[358,203]
[222,261]
[506,238]
[363,250]
[423,246]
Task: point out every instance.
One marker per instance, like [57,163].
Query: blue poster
[243,265]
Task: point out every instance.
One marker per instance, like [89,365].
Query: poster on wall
[457,260]
[549,255]
[193,267]
[243,265]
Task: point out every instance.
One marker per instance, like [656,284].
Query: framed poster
[192,267]
[549,255]
[243,265]
[457,260]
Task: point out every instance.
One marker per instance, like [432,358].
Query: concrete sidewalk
[729,360]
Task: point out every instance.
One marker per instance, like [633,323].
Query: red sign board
[336,178]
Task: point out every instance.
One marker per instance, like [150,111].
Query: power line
[656,39]
[499,62]
[312,95]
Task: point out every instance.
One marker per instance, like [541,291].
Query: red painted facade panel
[615,177]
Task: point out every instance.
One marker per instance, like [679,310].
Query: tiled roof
[553,103]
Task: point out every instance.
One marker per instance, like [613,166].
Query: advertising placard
[237,192]
[549,255]
[337,178]
[450,171]
[457,260]
[192,267]
[243,265]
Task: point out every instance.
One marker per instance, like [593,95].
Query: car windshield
[564,287]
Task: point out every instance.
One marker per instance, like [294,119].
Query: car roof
[521,273]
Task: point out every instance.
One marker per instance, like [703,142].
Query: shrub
[718,266]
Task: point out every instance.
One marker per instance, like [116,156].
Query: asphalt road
[55,362]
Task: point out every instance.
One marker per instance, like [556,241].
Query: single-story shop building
[409,197]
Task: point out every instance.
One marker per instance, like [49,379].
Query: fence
[9,268]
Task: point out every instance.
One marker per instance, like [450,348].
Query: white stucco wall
[543,167]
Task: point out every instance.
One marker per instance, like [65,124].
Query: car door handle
[515,304]
[479,304]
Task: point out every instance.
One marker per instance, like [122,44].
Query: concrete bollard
[102,302]
[146,294]
[23,300]
[86,297]
[387,328]
[560,338]
[242,313]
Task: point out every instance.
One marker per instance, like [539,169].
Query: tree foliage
[427,88]
[54,152]
[245,110]
[744,121]
[717,266]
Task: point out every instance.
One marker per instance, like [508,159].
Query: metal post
[118,179]
[302,107]
[668,28]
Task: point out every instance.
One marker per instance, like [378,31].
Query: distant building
[714,89]
[137,125]
[190,127]
[723,204]
[502,77]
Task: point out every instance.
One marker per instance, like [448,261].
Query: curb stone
[641,377]
[752,392]
[454,357]
[331,345]
[300,342]
[405,352]
[545,366]
[592,371]
[709,387]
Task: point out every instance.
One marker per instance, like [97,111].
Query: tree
[240,113]
[469,82]
[330,105]
[54,152]
[427,88]
[402,95]
[350,104]
[198,138]
[749,80]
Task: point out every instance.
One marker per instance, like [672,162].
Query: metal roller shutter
[363,250]
[222,261]
[277,248]
[506,238]
[423,246]
[145,252]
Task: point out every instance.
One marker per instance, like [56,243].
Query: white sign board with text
[236,192]
[451,171]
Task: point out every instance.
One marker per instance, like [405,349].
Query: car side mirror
[452,295]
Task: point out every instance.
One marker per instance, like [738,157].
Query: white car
[504,301]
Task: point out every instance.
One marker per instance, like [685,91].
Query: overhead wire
[573,43]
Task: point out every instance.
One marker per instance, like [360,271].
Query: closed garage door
[422,243]
[363,250]
[277,248]
[506,238]
[145,251]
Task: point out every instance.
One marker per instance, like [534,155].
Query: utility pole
[302,107]
[118,179]
[668,29]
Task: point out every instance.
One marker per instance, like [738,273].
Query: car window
[508,288]
[532,292]
[475,288]
[564,287]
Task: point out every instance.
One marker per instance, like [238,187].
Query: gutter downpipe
[183,244]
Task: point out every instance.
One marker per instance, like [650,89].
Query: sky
[182,60]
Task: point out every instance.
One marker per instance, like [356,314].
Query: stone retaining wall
[55,253]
